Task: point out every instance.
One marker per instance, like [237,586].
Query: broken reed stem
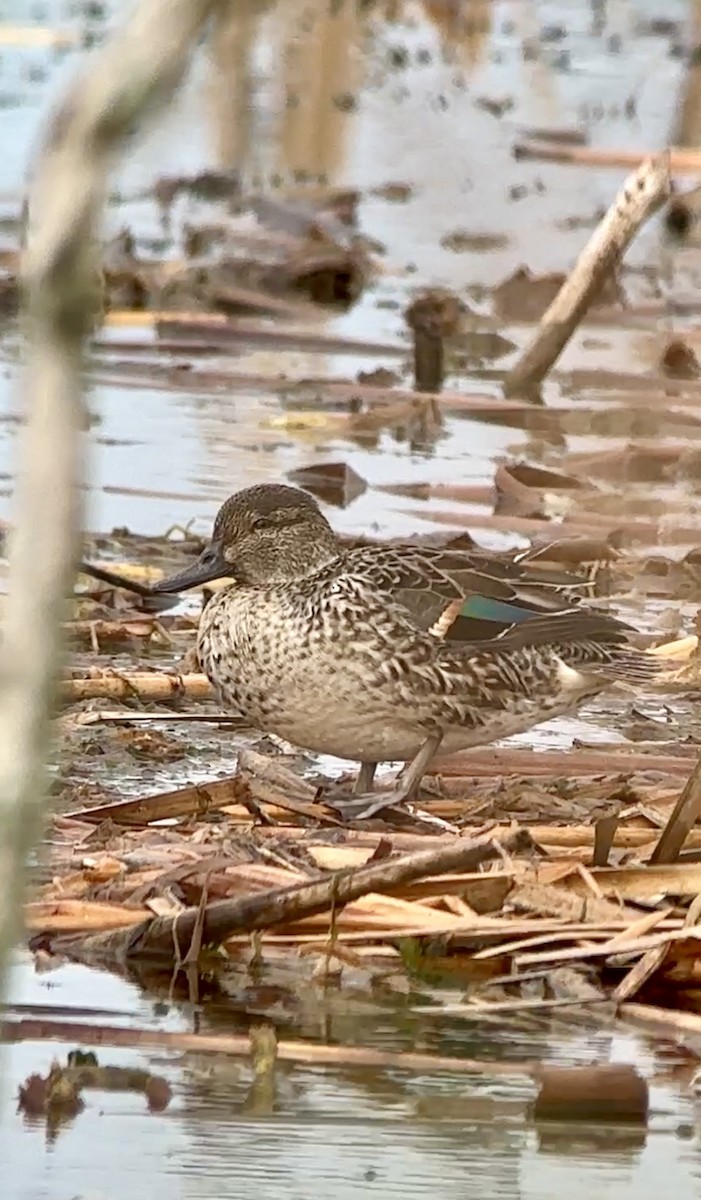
[681,822]
[433,316]
[137,70]
[643,194]
[137,685]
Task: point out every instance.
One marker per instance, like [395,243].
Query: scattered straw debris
[493,901]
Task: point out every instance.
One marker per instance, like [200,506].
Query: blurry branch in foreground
[137,71]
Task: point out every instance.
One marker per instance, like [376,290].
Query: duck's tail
[674,666]
[594,646]
[678,662]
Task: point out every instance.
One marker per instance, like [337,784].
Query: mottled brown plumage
[384,653]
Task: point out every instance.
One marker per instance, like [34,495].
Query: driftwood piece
[642,194]
[604,1093]
[170,938]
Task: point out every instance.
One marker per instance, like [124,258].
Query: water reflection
[316,59]
[367,95]
[389,1132]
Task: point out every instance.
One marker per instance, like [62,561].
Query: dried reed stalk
[643,193]
[681,822]
[139,685]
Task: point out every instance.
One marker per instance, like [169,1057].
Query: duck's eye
[260,522]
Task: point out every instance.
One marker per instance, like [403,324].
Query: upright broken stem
[433,316]
[642,194]
[682,820]
[429,360]
[136,71]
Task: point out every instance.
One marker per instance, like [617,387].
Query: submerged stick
[136,71]
[643,194]
[239,1046]
[595,1092]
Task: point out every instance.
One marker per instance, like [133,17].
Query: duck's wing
[463,597]
[568,626]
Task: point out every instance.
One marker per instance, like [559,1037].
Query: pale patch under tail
[624,665]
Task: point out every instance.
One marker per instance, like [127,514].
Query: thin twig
[682,161]
[136,72]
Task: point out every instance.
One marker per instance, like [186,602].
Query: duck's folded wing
[494,594]
[566,627]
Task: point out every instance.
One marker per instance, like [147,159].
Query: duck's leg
[364,778]
[405,786]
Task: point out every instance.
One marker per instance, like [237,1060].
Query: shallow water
[416,117]
[419,124]
[389,1133]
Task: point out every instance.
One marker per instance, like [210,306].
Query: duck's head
[264,534]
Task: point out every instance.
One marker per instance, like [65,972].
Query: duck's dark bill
[210,565]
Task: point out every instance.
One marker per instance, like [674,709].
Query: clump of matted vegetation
[513,916]
[240,856]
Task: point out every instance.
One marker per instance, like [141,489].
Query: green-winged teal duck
[385,653]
